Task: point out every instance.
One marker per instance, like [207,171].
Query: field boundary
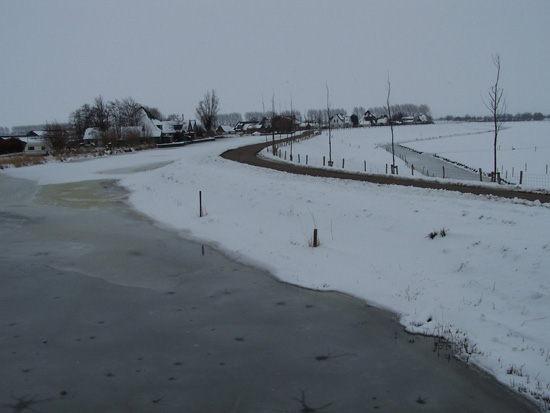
[249,155]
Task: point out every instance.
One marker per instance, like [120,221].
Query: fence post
[480,175]
[386,169]
[298,158]
[323,161]
[200,204]
[290,157]
[412,170]
[365,166]
[306,159]
[443,172]
[343,161]
[520,177]
[498,177]
[315,240]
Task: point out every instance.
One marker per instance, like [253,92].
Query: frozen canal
[101,310]
[429,165]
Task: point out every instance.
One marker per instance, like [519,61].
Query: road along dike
[249,155]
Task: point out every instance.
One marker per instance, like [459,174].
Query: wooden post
[343,162]
[412,170]
[307,158]
[480,175]
[498,177]
[200,203]
[365,166]
[386,169]
[298,158]
[315,240]
[396,170]
[443,172]
[323,161]
[520,177]
[290,157]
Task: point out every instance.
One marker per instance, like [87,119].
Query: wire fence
[284,151]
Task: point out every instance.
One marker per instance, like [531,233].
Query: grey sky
[57,55]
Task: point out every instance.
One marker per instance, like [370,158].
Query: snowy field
[481,280]
[522,147]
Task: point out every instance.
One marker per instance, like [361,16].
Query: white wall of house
[36,146]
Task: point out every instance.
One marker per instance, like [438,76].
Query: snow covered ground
[522,147]
[480,280]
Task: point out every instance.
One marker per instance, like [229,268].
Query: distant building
[36,143]
[339,121]
[162,131]
[225,129]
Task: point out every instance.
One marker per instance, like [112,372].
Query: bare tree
[497,106]
[230,119]
[273,115]
[253,116]
[56,135]
[391,126]
[293,119]
[329,115]
[176,117]
[207,111]
[101,114]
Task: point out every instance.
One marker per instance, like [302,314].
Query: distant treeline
[507,117]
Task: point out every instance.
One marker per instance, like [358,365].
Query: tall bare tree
[207,111]
[56,135]
[390,120]
[273,115]
[329,115]
[497,105]
[100,110]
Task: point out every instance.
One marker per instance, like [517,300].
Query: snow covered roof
[91,134]
[32,140]
[227,128]
[36,133]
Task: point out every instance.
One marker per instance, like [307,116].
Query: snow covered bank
[484,283]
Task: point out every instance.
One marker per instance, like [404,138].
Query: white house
[149,127]
[162,130]
[225,129]
[36,143]
[339,121]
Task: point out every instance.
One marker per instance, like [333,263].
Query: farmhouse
[36,143]
[149,127]
[339,121]
[249,127]
[225,129]
[369,118]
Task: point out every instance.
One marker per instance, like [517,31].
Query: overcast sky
[57,55]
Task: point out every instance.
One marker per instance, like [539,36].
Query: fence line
[515,178]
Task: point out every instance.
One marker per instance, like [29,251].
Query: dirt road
[248,155]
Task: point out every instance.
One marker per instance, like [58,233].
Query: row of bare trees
[103,115]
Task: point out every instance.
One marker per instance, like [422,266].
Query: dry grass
[20,160]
